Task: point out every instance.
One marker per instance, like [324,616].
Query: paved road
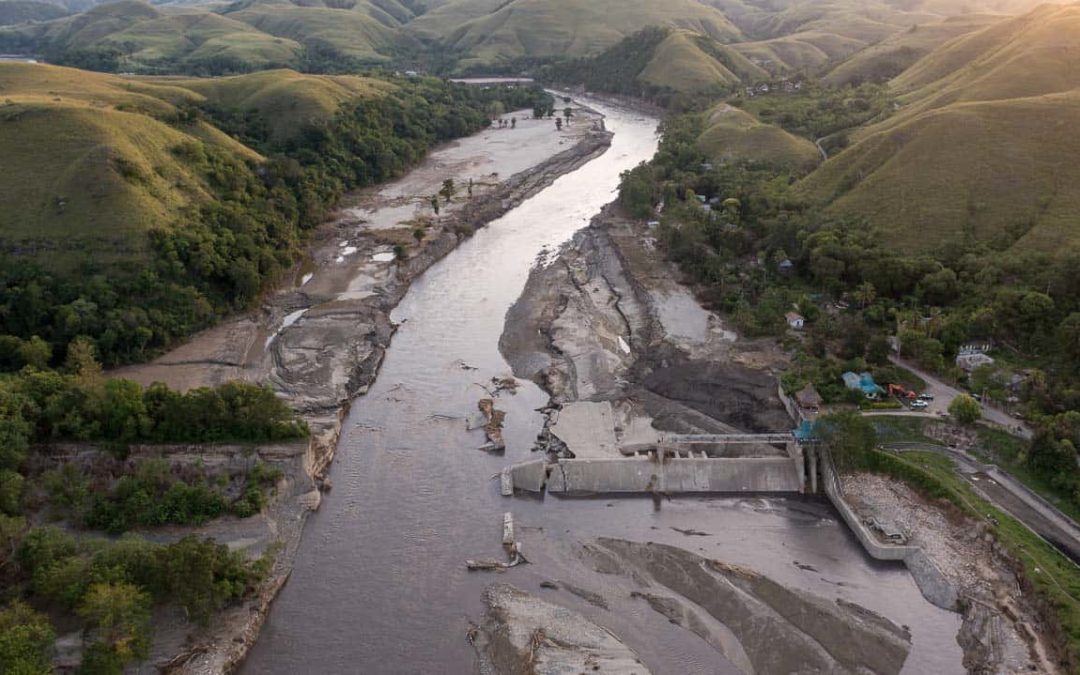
[944,395]
[1009,495]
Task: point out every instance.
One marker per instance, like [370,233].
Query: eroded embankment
[1002,631]
[320,344]
[607,320]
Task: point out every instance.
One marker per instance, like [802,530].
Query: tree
[567,113]
[448,189]
[865,294]
[877,350]
[848,436]
[435,204]
[26,638]
[118,617]
[1068,336]
[965,410]
[558,124]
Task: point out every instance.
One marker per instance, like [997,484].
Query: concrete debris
[528,476]
[588,429]
[508,529]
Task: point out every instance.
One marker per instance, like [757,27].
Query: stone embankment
[957,564]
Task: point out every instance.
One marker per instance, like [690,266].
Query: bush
[965,410]
[26,640]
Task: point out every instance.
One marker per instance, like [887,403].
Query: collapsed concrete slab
[529,476]
[588,429]
[639,436]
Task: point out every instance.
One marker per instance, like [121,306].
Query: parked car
[926,397]
[919,405]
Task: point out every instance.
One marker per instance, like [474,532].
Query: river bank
[319,340]
[608,320]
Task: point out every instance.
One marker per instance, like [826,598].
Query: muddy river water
[380,584]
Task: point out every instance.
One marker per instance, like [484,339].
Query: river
[380,585]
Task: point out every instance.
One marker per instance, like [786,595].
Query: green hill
[22,11]
[355,33]
[495,32]
[98,159]
[982,148]
[734,135]
[133,36]
[688,62]
[135,210]
[893,55]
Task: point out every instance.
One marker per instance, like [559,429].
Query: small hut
[809,399]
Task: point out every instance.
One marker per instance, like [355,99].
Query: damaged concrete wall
[638,475]
[934,586]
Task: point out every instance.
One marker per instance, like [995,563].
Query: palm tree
[865,294]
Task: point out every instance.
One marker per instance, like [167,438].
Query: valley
[302,301]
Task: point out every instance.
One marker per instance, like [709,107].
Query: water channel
[380,584]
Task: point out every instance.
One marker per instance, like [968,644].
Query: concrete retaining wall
[639,475]
[933,585]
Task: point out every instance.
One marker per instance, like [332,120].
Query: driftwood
[493,427]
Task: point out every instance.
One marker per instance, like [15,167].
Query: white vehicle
[919,405]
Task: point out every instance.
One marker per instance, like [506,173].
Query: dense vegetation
[1028,304]
[227,251]
[112,585]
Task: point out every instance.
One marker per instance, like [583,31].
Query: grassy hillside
[734,135]
[350,33]
[138,210]
[503,31]
[892,56]
[287,100]
[22,11]
[99,155]
[133,36]
[688,62]
[982,149]
[657,64]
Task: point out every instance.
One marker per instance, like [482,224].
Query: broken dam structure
[646,461]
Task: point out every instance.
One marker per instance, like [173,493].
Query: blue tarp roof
[864,381]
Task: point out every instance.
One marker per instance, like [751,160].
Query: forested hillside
[134,215]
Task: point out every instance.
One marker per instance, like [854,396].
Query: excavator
[900,391]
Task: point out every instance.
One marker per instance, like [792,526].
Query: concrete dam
[646,461]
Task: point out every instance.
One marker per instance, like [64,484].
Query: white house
[795,320]
[969,361]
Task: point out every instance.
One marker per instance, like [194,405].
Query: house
[809,399]
[972,360]
[785,265]
[795,320]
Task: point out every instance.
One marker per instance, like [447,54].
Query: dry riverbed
[320,340]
